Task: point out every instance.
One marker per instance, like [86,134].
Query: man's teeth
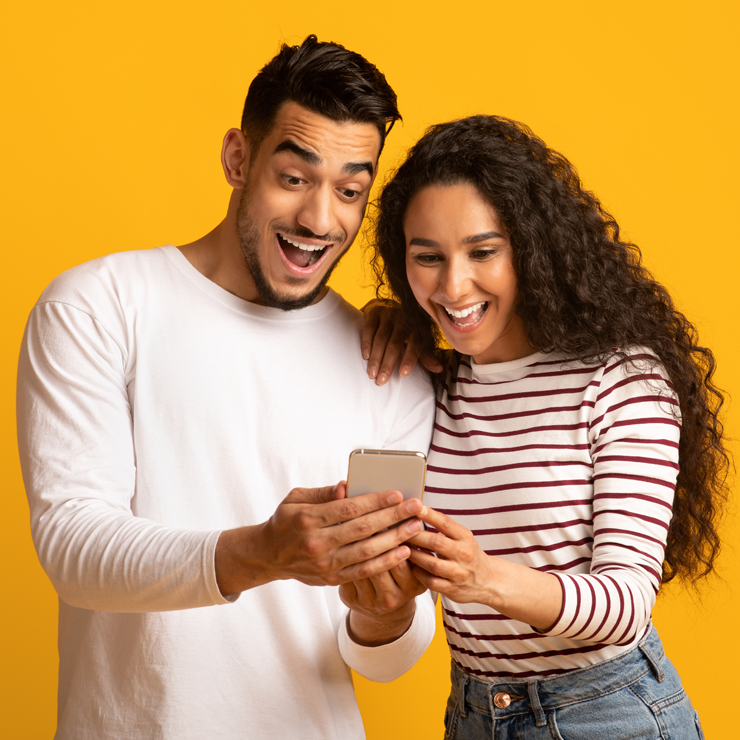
[466,311]
[306,247]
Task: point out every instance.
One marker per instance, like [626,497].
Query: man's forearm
[238,564]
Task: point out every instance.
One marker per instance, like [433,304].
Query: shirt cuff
[386,663]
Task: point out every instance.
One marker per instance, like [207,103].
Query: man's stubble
[249,237]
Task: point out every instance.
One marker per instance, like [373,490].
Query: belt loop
[653,659]
[539,715]
[461,684]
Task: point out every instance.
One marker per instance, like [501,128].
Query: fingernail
[423,511]
[395,498]
[382,378]
[413,506]
[365,354]
[372,371]
[414,526]
[405,370]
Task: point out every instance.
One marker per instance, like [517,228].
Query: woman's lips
[468,318]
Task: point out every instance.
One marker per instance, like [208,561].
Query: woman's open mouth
[301,257]
[466,318]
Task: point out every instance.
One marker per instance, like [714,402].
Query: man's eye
[350,194]
[292,180]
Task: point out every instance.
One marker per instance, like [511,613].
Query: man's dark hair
[325,78]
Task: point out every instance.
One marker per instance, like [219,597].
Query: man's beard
[249,236]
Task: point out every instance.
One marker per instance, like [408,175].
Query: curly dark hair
[582,292]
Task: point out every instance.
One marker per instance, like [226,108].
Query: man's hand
[319,537]
[383,606]
[383,340]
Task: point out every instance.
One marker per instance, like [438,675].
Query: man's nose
[317,214]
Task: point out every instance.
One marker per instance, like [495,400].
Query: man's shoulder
[343,324]
[103,275]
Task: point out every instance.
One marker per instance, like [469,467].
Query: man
[169,399]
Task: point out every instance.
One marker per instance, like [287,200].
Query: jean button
[502,700]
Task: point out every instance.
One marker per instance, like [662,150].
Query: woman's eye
[481,254]
[427,259]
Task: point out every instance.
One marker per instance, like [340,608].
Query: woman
[577,459]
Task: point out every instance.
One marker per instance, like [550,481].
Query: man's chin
[289,301]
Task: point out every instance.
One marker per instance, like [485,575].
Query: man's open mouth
[300,253]
[466,316]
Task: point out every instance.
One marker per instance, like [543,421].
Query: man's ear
[235,158]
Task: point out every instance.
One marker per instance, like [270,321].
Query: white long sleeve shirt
[156,410]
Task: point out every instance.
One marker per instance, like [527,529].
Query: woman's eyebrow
[482,237]
[417,241]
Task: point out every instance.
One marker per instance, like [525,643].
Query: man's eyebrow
[306,155]
[353,168]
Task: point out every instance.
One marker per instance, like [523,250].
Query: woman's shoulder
[634,363]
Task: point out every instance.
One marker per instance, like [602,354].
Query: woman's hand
[461,571]
[464,573]
[383,342]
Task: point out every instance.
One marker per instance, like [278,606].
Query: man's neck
[217,258]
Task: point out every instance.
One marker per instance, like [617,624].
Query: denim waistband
[510,697]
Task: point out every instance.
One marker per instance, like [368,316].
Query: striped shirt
[570,468]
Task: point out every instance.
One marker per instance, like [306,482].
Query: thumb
[314,495]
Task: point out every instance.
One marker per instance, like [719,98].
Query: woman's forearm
[524,594]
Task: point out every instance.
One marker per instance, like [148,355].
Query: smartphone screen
[372,471]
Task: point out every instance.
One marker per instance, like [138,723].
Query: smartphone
[371,471]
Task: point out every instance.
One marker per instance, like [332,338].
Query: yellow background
[111,132]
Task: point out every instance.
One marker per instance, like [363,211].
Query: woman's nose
[455,283]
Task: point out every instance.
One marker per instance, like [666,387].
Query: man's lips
[302,256]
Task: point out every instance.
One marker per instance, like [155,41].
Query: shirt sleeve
[634,433]
[386,663]
[79,468]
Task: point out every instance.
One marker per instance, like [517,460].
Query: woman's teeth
[465,311]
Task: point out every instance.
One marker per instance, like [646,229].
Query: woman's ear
[235,158]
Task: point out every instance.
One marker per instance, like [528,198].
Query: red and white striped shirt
[570,468]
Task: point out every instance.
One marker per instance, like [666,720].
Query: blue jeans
[637,696]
